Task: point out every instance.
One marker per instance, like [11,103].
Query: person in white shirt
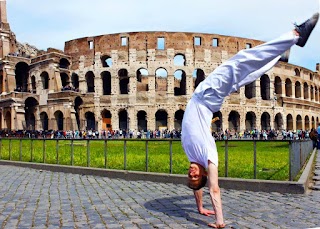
[243,68]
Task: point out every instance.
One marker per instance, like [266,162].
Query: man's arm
[201,210]
[214,190]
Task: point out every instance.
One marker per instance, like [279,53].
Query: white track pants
[243,68]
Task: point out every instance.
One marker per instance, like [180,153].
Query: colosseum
[142,80]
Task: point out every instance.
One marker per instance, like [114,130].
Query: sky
[47,24]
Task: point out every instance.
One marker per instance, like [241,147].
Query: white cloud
[52,23]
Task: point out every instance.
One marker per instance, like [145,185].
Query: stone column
[151,119]
[258,121]
[189,85]
[18,115]
[56,83]
[258,89]
[115,119]
[170,125]
[293,89]
[170,85]
[11,81]
[242,121]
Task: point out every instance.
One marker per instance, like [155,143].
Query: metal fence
[299,151]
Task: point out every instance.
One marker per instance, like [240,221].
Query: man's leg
[232,74]
[249,64]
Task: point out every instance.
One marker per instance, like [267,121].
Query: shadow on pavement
[179,206]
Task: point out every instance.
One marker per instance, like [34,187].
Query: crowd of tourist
[91,134]
[263,134]
[156,134]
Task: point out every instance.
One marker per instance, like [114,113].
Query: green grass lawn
[272,156]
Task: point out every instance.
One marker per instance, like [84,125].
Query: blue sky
[50,23]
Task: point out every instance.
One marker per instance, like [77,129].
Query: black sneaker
[305,29]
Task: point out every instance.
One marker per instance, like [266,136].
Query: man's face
[194,172]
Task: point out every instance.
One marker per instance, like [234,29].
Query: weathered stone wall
[154,96]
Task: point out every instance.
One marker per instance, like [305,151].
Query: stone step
[316,178]
[316,187]
[317,173]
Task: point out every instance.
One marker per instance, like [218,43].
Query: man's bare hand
[206,212]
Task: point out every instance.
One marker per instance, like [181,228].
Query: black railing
[62,151]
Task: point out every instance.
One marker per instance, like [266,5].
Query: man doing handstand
[243,68]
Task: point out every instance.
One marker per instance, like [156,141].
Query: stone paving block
[89,201]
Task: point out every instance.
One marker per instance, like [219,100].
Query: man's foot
[305,29]
[214,225]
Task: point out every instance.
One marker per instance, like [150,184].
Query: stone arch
[90,81]
[278,85]
[198,76]
[106,83]
[307,123]
[64,79]
[44,120]
[288,86]
[123,119]
[216,126]
[64,63]
[250,121]
[75,81]
[179,60]
[297,89]
[178,116]
[296,72]
[312,92]
[7,120]
[91,120]
[234,121]
[21,76]
[278,122]
[106,61]
[45,80]
[106,120]
[250,90]
[161,117]
[142,123]
[123,81]
[58,115]
[180,82]
[77,103]
[161,79]
[265,87]
[299,122]
[265,121]
[33,84]
[30,107]
[142,79]
[289,122]
[305,91]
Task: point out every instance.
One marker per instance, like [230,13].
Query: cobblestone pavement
[32,198]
